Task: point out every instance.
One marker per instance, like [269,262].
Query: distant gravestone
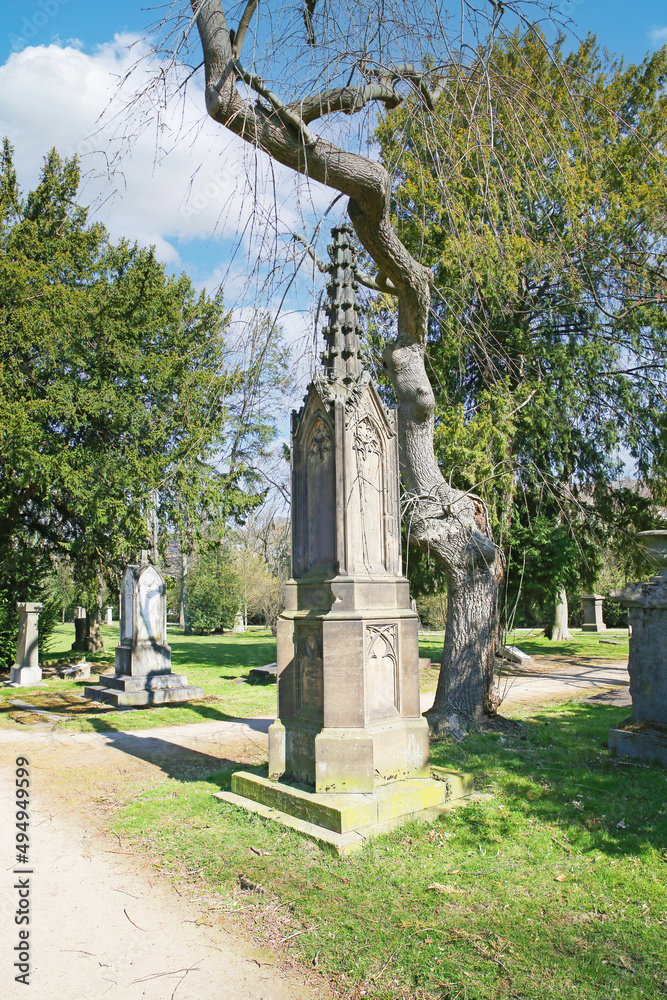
[644,735]
[27,670]
[80,630]
[108,616]
[143,659]
[592,608]
[239,624]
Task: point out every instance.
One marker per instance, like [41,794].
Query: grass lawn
[214,663]
[553,888]
[219,665]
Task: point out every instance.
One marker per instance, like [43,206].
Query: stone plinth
[143,659]
[26,670]
[592,608]
[347,821]
[644,734]
[349,727]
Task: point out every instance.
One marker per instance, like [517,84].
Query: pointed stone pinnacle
[342,357]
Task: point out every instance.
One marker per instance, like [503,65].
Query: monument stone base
[596,627]
[155,689]
[25,676]
[346,821]
[640,739]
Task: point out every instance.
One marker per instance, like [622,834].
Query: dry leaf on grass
[436,887]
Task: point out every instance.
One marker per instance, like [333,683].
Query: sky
[60,61]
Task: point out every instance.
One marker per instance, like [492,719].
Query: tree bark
[452,524]
[93,642]
[183,609]
[559,627]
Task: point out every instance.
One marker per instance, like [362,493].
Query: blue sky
[56,59]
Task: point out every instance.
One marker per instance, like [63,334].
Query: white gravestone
[27,670]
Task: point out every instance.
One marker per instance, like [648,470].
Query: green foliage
[115,389]
[535,196]
[215,592]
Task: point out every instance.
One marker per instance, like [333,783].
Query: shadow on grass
[106,725]
[556,768]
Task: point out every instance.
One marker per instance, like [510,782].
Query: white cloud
[658,36]
[209,181]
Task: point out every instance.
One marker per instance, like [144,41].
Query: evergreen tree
[115,389]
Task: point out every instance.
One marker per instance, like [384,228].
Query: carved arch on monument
[314,491]
[370,494]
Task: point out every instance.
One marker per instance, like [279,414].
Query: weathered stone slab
[640,740]
[78,671]
[514,654]
[265,673]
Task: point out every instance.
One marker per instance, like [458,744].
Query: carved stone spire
[342,357]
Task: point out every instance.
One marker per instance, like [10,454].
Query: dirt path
[540,681]
[104,924]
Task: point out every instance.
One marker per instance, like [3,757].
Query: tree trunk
[183,609]
[559,627]
[93,642]
[452,524]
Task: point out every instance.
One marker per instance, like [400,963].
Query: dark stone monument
[143,659]
[644,734]
[349,750]
[80,630]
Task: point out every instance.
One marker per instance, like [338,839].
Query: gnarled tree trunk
[452,524]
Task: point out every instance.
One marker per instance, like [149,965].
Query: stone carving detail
[310,685]
[366,440]
[382,669]
[320,440]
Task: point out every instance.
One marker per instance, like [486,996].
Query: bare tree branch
[244,24]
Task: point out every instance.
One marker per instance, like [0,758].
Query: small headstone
[27,670]
[108,616]
[592,607]
[239,624]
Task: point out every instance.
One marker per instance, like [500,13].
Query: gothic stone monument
[143,659]
[644,733]
[27,670]
[349,751]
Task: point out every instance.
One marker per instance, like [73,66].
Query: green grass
[553,888]
[214,663]
[586,644]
